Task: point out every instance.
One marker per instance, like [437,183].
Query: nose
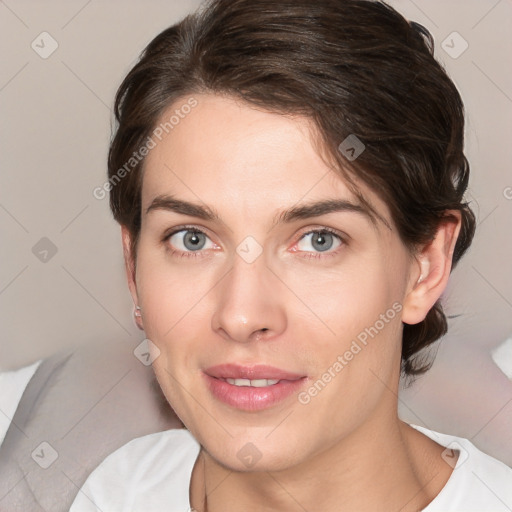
[249,303]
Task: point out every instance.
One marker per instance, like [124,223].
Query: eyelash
[322,255]
[307,255]
[183,254]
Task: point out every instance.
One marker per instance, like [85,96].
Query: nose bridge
[247,300]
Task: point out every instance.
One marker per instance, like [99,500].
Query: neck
[380,466]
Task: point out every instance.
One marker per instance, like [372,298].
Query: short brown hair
[354,67]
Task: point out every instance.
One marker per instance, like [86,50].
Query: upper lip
[251,372]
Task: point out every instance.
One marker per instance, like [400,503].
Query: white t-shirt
[152,474]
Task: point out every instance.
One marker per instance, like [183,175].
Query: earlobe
[435,264]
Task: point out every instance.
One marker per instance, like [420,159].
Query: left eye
[190,240]
[319,241]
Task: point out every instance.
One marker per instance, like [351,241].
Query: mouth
[255,383]
[252,388]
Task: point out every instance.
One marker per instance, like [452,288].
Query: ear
[434,264]
[129,263]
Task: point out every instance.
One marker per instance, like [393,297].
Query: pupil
[193,241]
[322,241]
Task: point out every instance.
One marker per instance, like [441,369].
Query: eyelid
[185,227]
[189,254]
[343,238]
[316,229]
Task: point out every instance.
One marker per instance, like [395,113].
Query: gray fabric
[85,404]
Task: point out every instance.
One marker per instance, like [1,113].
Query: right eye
[188,240]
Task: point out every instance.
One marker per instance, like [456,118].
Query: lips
[260,371]
[252,388]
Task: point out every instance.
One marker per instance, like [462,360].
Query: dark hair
[354,67]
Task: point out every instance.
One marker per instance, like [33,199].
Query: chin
[255,453]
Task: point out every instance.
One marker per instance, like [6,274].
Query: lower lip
[249,398]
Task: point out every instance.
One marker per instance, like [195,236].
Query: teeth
[255,383]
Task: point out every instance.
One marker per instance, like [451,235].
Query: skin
[294,308]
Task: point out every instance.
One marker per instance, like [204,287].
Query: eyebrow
[321,208]
[314,209]
[169,203]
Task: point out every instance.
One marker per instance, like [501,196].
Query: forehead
[225,152]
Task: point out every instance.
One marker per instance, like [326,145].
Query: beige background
[55,128]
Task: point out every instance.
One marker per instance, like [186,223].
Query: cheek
[351,315]
[170,293]
[175,317]
[342,302]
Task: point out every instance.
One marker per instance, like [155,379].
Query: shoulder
[145,474]
[478,481]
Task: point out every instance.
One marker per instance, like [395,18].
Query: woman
[289,181]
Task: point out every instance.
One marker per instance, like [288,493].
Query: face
[277,323]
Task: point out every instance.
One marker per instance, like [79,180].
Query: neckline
[440,438]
